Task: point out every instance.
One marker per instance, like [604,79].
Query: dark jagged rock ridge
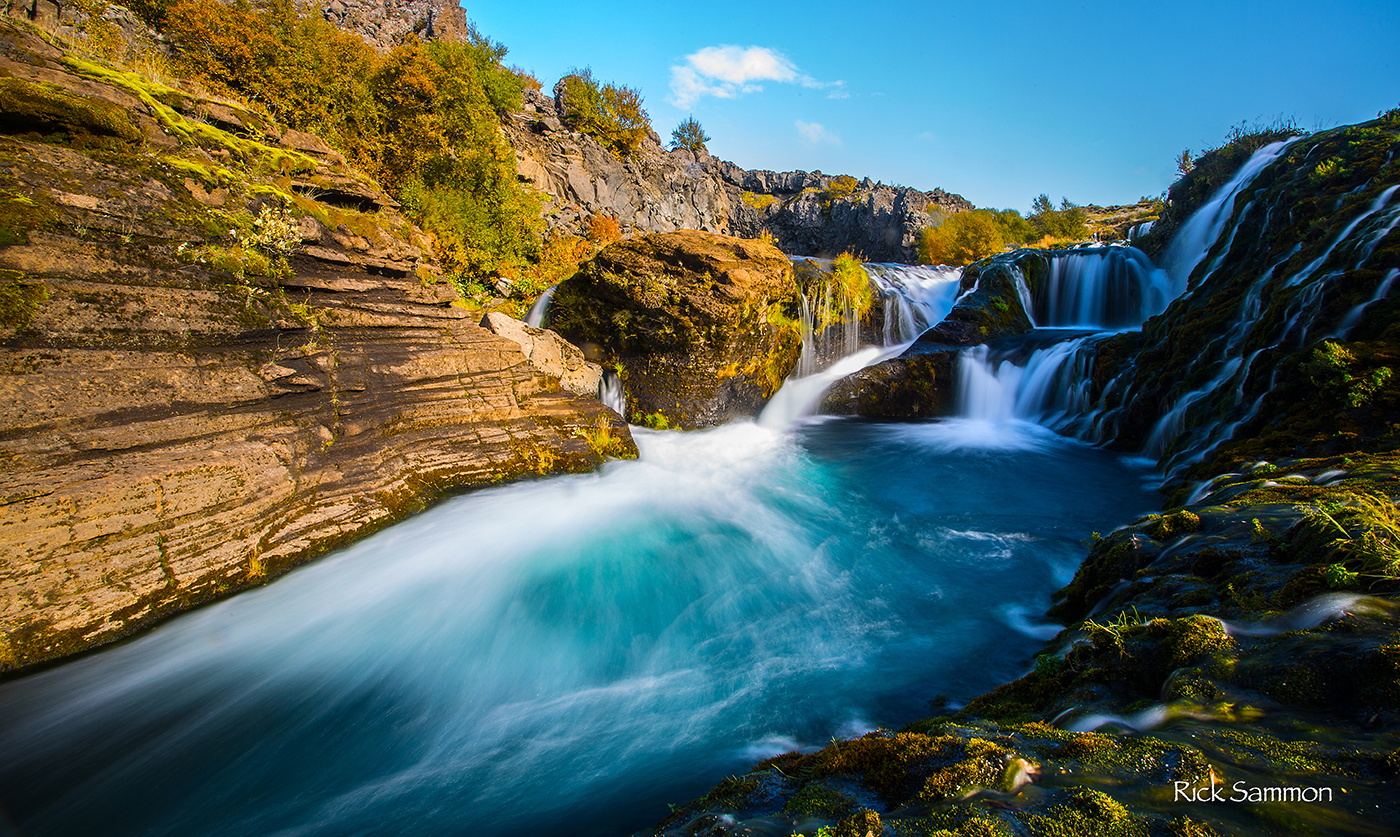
[659,191]
[1247,640]
[699,325]
[183,413]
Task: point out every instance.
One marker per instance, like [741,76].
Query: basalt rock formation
[698,325]
[222,353]
[654,190]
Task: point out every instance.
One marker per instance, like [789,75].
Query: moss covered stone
[701,326]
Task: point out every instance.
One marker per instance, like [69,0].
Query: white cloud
[815,132]
[727,71]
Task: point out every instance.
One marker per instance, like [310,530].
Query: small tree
[1184,163]
[689,135]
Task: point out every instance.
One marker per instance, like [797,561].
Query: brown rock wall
[182,417]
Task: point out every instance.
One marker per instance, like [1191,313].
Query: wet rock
[700,326]
[919,384]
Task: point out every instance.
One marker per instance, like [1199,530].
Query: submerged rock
[699,326]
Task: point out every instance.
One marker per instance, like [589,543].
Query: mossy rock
[20,299]
[702,327]
[35,107]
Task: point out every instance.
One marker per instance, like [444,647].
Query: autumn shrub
[963,238]
[610,113]
[423,119]
[603,229]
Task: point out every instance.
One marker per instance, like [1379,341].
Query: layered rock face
[699,326]
[221,354]
[659,191]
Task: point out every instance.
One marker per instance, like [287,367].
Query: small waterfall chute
[612,393]
[1198,234]
[535,316]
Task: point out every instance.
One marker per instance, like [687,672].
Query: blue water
[568,656]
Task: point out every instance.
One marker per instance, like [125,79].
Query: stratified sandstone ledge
[181,416]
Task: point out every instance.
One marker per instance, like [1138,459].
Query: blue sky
[997,100]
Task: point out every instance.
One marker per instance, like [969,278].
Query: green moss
[908,766]
[21,213]
[817,799]
[1175,525]
[863,823]
[263,157]
[20,299]
[44,108]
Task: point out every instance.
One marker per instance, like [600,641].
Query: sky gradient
[998,101]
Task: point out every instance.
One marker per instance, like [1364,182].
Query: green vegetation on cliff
[422,119]
[610,113]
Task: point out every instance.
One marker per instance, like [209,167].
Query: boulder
[549,353]
[921,383]
[991,303]
[701,327]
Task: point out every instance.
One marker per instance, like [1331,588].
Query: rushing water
[569,655]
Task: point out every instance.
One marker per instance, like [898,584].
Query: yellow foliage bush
[963,238]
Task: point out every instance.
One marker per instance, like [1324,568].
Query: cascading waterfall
[612,393]
[1046,379]
[1191,244]
[1222,396]
[1049,387]
[1113,288]
[535,316]
[914,298]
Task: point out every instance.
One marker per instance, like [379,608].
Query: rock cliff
[222,352]
[655,190]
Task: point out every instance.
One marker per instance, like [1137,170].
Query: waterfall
[535,316]
[1220,406]
[1198,235]
[913,298]
[612,393]
[1110,287]
[1049,387]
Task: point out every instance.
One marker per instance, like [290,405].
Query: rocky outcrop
[220,356]
[1285,342]
[807,213]
[700,326]
[382,23]
[548,353]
